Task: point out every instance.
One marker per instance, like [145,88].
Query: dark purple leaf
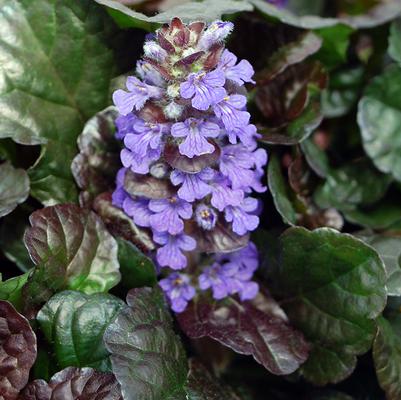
[95,166]
[74,384]
[147,357]
[257,328]
[202,385]
[72,250]
[120,224]
[148,186]
[17,351]
[187,61]
[190,165]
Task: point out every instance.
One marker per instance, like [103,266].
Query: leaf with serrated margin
[256,328]
[147,357]
[72,250]
[74,323]
[332,287]
[17,351]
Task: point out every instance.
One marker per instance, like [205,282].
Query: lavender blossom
[188,138]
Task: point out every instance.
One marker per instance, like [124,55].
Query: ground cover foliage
[81,313]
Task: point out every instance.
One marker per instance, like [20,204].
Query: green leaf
[72,250]
[11,289]
[387,358]
[280,192]
[147,357]
[342,93]
[207,10]
[389,250]
[136,269]
[61,78]
[74,323]
[395,41]
[379,118]
[332,287]
[14,188]
[316,158]
[355,184]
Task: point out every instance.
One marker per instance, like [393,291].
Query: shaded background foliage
[79,305]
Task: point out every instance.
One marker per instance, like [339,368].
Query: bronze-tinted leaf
[17,351]
[148,186]
[120,224]
[74,384]
[253,328]
[190,165]
[96,165]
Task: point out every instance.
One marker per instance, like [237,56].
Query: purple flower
[125,125]
[193,186]
[195,133]
[240,73]
[136,97]
[154,51]
[206,217]
[170,253]
[213,277]
[149,74]
[139,164]
[138,210]
[236,164]
[229,110]
[223,195]
[205,88]
[147,136]
[242,219]
[247,135]
[168,214]
[179,291]
[215,33]
[119,194]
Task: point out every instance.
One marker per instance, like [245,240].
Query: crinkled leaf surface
[254,328]
[14,187]
[74,324]
[17,351]
[56,71]
[136,269]
[207,10]
[387,358]
[11,289]
[389,250]
[333,287]
[395,41]
[74,384]
[72,250]
[379,118]
[147,357]
[202,385]
[96,165]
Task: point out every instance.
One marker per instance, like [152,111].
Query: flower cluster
[191,160]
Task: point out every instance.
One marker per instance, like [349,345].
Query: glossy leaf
[58,75]
[17,351]
[379,119]
[74,324]
[208,10]
[389,250]
[387,358]
[136,269]
[72,250]
[147,357]
[74,384]
[97,163]
[11,289]
[14,188]
[333,287]
[395,41]
[254,328]
[119,224]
